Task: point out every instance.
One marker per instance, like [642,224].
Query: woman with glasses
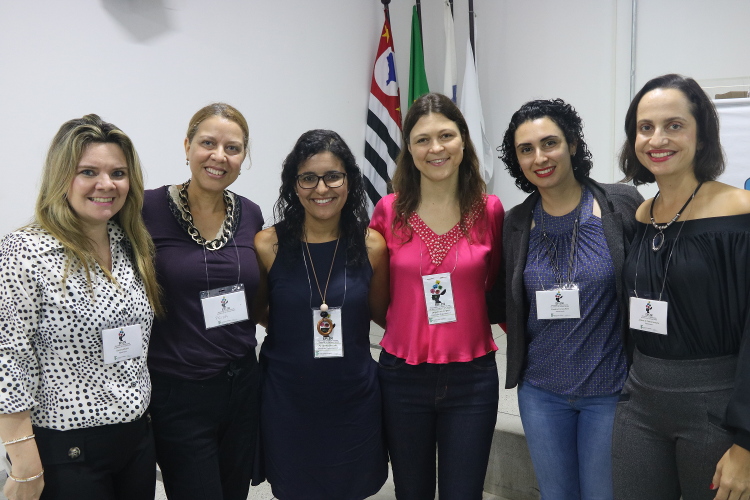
[327,275]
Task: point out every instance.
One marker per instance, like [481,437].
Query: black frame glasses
[323,178]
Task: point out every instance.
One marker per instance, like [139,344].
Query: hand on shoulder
[265,246]
[376,245]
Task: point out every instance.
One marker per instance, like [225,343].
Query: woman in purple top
[202,358]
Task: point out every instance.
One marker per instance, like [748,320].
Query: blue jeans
[453,406]
[570,441]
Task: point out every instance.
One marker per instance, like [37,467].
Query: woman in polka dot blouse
[564,252]
[437,369]
[77,295]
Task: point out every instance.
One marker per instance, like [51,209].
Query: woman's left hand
[732,476]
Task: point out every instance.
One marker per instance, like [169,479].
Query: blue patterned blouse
[582,356]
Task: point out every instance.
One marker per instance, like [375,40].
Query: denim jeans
[570,441]
[450,406]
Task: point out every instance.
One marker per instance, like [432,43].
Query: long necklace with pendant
[658,240]
[325,325]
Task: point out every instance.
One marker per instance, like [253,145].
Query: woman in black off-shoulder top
[683,423]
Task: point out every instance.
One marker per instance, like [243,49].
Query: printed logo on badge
[222,317]
[325,327]
[436,292]
[121,335]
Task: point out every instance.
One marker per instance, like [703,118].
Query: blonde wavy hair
[54,214]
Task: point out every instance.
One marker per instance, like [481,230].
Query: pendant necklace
[658,240]
[323,307]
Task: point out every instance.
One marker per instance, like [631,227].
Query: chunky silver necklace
[658,240]
[226,228]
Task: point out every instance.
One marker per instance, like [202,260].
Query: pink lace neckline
[438,245]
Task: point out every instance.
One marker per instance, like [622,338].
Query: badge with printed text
[224,306]
[328,333]
[119,344]
[438,297]
[559,303]
[649,315]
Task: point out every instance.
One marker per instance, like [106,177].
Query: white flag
[451,75]
[471,107]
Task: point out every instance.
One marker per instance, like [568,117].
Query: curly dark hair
[566,118]
[289,212]
[407,178]
[708,163]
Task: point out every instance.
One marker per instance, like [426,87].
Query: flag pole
[471,27]
[419,16]
[385,8]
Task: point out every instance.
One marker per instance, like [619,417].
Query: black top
[707,289]
[320,418]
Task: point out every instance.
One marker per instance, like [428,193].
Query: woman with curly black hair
[327,275]
[564,252]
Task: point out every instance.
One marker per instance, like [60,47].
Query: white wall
[148,65]
[292,65]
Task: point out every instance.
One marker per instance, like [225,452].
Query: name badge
[119,344]
[560,303]
[649,315]
[224,306]
[438,297]
[328,333]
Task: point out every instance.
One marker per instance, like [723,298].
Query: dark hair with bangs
[566,118]
[708,163]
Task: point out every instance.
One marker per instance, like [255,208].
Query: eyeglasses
[331,180]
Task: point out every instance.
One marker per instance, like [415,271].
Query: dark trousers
[668,437]
[206,432]
[452,406]
[109,462]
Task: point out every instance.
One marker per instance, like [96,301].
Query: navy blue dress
[320,418]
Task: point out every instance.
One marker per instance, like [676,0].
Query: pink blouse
[473,267]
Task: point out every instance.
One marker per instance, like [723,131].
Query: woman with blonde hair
[78,297]
[202,358]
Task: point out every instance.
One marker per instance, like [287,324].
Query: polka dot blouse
[51,360]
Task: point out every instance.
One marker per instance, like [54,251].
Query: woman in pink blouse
[437,369]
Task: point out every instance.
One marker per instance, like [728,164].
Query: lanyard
[551,248]
[666,267]
[421,255]
[309,283]
[205,263]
